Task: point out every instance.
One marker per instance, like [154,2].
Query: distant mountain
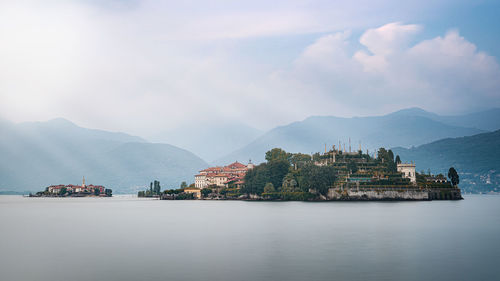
[488,120]
[476,158]
[210,139]
[404,128]
[37,154]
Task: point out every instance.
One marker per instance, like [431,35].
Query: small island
[336,175]
[71,190]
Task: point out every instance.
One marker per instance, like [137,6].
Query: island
[71,190]
[338,174]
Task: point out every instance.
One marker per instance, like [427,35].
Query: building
[408,171]
[193,190]
[222,176]
[56,189]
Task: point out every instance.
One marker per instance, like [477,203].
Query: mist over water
[126,238]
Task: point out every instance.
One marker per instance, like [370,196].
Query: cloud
[445,74]
[145,66]
[388,38]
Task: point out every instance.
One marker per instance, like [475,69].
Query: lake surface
[126,238]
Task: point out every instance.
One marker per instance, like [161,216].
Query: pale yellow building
[194,190]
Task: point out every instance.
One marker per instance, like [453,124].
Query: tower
[83,182]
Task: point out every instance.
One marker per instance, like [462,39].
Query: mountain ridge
[406,127]
[38,154]
[476,158]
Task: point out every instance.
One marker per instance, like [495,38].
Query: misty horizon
[144,66]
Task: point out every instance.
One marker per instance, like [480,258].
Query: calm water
[125,238]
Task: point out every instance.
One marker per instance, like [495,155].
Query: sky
[146,66]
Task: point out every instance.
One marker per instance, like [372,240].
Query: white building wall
[408,171]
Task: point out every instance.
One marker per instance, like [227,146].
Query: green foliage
[316,156]
[289,183]
[184,185]
[315,177]
[271,172]
[62,191]
[173,191]
[398,159]
[277,154]
[277,171]
[206,191]
[230,192]
[97,191]
[352,166]
[184,196]
[299,160]
[156,187]
[269,188]
[387,157]
[453,176]
[108,192]
[289,196]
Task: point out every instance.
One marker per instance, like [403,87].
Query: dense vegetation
[287,175]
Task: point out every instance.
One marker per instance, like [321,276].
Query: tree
[453,176]
[352,166]
[184,185]
[206,191]
[289,183]
[62,191]
[298,159]
[315,177]
[269,188]
[382,154]
[277,170]
[387,157]
[390,155]
[398,160]
[255,179]
[277,154]
[97,191]
[156,187]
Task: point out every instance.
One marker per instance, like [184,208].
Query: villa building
[408,171]
[222,176]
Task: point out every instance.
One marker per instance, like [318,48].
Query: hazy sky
[145,66]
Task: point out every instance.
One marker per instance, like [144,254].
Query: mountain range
[39,154]
[476,158]
[405,128]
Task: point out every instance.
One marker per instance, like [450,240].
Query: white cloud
[388,38]
[143,66]
[446,74]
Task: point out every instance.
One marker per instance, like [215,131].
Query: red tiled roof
[236,165]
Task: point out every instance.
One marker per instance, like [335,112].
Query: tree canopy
[453,175]
[277,154]
[320,178]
